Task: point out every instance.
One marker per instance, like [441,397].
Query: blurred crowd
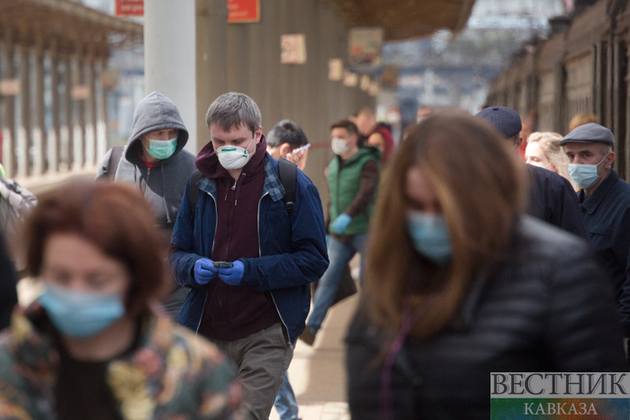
[176,286]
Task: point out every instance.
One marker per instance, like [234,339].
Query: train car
[582,68]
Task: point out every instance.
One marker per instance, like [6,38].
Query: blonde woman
[543,150]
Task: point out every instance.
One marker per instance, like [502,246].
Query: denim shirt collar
[272,185]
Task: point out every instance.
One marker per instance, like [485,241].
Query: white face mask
[234,157]
[339,146]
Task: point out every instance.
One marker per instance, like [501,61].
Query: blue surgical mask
[429,235]
[162,149]
[81,314]
[584,176]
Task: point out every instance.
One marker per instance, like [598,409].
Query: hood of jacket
[154,112]
[208,163]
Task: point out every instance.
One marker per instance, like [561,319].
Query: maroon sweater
[234,312]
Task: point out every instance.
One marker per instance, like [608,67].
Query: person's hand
[299,159]
[232,275]
[341,223]
[204,271]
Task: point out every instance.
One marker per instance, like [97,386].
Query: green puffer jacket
[344,182]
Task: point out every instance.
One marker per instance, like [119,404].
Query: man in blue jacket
[246,259]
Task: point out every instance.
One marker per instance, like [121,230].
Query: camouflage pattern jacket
[172,375]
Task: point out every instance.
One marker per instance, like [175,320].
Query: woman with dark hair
[95,344]
[459,283]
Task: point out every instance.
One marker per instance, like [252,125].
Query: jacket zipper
[216,224]
[146,184]
[227,249]
[338,189]
[260,255]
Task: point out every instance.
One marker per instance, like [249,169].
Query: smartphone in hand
[222,264]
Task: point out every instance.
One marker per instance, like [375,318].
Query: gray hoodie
[163,185]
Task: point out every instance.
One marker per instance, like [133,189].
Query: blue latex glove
[341,223]
[232,275]
[204,271]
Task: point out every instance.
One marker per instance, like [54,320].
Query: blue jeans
[339,254]
[286,404]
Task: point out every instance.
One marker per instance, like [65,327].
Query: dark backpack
[112,163]
[287,172]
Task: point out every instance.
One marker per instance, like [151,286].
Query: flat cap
[589,133]
[505,120]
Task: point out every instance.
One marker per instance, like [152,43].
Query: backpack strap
[287,172]
[114,160]
[193,191]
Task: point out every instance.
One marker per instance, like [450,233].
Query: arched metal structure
[52,107]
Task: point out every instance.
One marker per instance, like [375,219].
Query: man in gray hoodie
[154,160]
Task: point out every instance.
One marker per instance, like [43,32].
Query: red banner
[243,11]
[129,8]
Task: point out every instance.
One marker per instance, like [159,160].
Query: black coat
[553,200]
[548,307]
[8,281]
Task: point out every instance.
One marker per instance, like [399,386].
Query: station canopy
[404,19]
[70,26]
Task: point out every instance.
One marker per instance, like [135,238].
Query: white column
[90,112]
[78,122]
[169,57]
[53,135]
[7,111]
[101,114]
[24,131]
[39,123]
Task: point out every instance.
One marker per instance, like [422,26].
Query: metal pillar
[559,108]
[287,71]
[313,69]
[169,57]
[39,128]
[78,120]
[101,116]
[272,100]
[9,160]
[67,136]
[608,118]
[600,79]
[255,52]
[237,57]
[211,61]
[54,133]
[24,131]
[90,112]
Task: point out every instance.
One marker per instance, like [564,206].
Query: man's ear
[258,134]
[519,141]
[610,158]
[284,150]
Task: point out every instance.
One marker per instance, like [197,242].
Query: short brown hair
[114,217]
[350,127]
[581,119]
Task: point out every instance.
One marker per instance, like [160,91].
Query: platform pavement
[318,374]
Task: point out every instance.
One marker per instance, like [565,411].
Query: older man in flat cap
[552,198]
[605,202]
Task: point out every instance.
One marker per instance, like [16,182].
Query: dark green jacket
[344,181]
